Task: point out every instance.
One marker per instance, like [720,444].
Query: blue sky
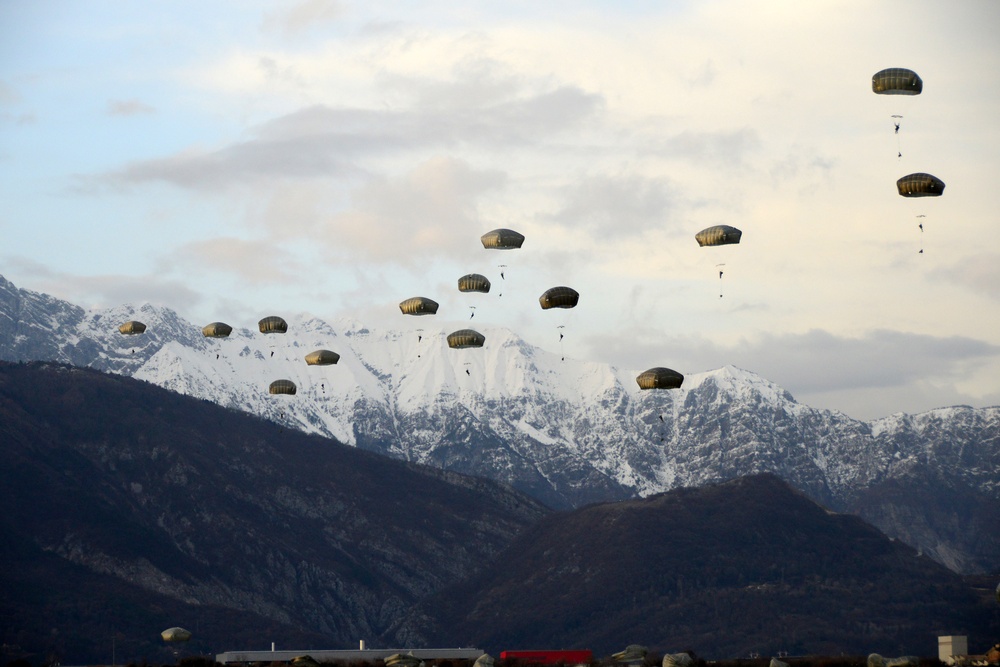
[233,159]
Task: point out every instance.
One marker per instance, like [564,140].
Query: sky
[236,159]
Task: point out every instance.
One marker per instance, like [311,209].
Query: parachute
[474,282]
[175,635]
[920,185]
[131,328]
[272,324]
[322,358]
[633,654]
[216,330]
[718,235]
[660,378]
[897,81]
[502,239]
[464,338]
[403,660]
[282,387]
[418,305]
[559,297]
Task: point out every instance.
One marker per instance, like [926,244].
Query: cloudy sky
[234,159]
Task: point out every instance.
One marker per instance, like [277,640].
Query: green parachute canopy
[897,81]
[273,324]
[322,358]
[282,387]
[559,297]
[474,282]
[418,305]
[216,330]
[920,185]
[718,235]
[465,338]
[660,378]
[175,635]
[131,328]
[502,239]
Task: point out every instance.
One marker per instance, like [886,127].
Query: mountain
[569,433]
[726,570]
[128,509]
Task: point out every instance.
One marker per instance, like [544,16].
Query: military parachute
[175,635]
[559,297]
[286,387]
[474,282]
[718,235]
[418,305]
[920,185]
[502,239]
[132,328]
[660,378]
[216,330]
[897,81]
[322,358]
[464,338]
[272,325]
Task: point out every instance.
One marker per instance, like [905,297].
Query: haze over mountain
[568,432]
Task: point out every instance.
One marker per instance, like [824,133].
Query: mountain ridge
[567,432]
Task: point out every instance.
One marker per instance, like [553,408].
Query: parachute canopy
[322,358]
[660,378]
[920,185]
[632,653]
[559,297]
[273,324]
[175,635]
[131,328]
[718,235]
[465,338]
[402,660]
[282,387]
[897,81]
[474,282]
[502,239]
[216,330]
[419,305]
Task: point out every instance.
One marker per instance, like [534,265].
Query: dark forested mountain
[746,566]
[126,509]
[567,432]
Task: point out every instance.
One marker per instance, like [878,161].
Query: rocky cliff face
[567,432]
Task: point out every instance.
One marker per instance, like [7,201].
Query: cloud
[303,16]
[616,205]
[431,211]
[321,141]
[128,108]
[253,262]
[106,290]
[979,272]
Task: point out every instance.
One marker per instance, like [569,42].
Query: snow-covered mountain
[568,432]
